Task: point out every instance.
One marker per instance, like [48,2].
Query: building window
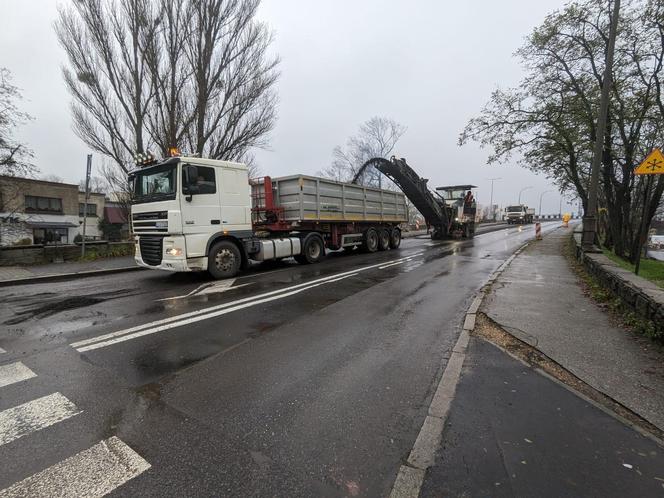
[50,236]
[92,209]
[34,204]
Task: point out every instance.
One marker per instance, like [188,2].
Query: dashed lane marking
[2,351]
[92,473]
[13,373]
[34,415]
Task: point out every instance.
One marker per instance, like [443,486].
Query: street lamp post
[521,191]
[560,208]
[540,202]
[493,211]
[590,216]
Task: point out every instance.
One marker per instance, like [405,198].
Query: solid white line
[176,318]
[14,372]
[199,318]
[92,473]
[392,264]
[34,415]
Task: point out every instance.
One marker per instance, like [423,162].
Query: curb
[410,477]
[62,277]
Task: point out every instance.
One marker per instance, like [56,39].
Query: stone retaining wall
[643,296]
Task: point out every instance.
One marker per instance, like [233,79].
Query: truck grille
[151,249]
[153,221]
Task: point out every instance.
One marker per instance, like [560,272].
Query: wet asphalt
[308,380]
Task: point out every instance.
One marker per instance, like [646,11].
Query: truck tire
[383,240]
[224,260]
[313,250]
[370,240]
[395,238]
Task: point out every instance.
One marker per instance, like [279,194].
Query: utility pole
[590,217]
[493,211]
[521,191]
[540,202]
[88,169]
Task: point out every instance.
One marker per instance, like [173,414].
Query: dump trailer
[195,214]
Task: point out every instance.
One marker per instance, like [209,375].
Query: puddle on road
[51,307]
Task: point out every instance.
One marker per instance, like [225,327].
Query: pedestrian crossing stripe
[92,473]
[651,165]
[14,372]
[34,415]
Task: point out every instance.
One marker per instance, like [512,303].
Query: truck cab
[184,205]
[462,208]
[519,214]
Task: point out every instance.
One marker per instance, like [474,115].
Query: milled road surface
[288,381]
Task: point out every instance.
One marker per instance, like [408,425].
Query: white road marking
[233,305]
[35,415]
[92,473]
[210,288]
[14,372]
[392,264]
[199,318]
[2,351]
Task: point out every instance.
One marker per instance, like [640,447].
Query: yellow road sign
[651,165]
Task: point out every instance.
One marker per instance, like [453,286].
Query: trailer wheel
[313,250]
[383,240]
[224,260]
[371,240]
[395,238]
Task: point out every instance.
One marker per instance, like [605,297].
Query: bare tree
[376,137]
[97,185]
[52,177]
[548,121]
[15,157]
[192,74]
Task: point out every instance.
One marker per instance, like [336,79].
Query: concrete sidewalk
[37,273]
[514,432]
[539,300]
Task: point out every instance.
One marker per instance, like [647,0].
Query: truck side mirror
[189,176]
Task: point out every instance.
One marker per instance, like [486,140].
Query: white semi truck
[519,214]
[194,214]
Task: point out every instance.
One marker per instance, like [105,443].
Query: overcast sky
[428,64]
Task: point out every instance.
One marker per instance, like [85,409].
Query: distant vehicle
[519,214]
[194,214]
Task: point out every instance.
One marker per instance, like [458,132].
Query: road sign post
[653,164]
[88,170]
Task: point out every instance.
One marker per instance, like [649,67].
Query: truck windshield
[514,209]
[157,183]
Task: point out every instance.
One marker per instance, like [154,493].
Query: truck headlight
[174,251]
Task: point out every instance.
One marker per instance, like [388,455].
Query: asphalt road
[287,381]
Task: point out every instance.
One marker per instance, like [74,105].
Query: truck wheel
[313,250]
[224,260]
[371,240]
[395,238]
[383,240]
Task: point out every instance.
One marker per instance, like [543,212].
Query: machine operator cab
[461,206]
